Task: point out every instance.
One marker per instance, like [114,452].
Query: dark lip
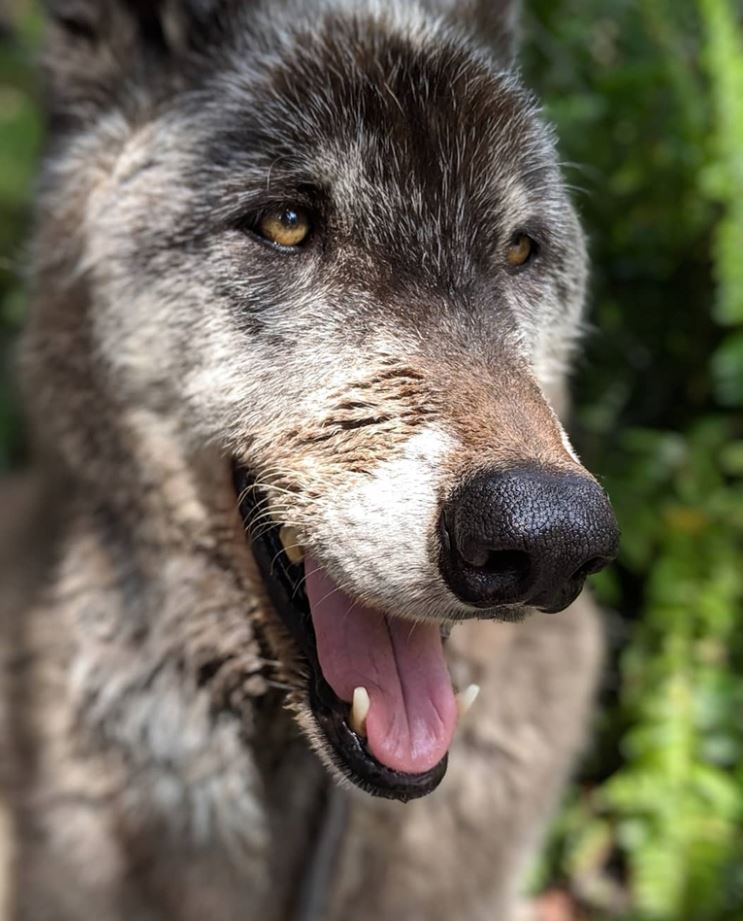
[283,582]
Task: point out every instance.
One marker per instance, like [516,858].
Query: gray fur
[155,770]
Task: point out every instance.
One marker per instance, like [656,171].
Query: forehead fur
[399,127]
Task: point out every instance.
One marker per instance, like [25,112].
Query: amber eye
[285,227]
[521,249]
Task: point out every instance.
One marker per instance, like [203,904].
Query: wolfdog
[306,282]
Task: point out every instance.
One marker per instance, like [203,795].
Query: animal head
[330,241]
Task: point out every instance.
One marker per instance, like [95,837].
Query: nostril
[595,564]
[508,564]
[474,553]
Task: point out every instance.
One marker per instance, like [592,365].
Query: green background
[648,101]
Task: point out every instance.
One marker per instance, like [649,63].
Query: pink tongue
[413,712]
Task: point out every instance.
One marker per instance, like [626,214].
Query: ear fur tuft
[104,53]
[494,21]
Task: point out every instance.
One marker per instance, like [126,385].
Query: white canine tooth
[359,710]
[290,542]
[466,698]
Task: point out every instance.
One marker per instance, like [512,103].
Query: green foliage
[20,137]
[652,97]
[724,176]
[677,801]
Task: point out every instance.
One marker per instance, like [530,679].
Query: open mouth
[377,685]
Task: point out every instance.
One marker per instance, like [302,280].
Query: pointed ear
[101,53]
[499,21]
[495,21]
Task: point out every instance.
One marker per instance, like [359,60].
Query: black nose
[529,535]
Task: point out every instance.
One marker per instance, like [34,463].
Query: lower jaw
[345,749]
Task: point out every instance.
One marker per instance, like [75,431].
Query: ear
[101,54]
[494,21]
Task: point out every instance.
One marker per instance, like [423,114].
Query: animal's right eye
[286,228]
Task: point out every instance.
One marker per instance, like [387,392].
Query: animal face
[333,242]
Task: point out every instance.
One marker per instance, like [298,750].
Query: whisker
[302,582]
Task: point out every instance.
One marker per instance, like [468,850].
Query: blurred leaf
[727,364]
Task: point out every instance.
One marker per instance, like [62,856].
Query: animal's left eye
[287,227]
[521,250]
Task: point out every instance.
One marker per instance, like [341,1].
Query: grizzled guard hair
[306,282]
